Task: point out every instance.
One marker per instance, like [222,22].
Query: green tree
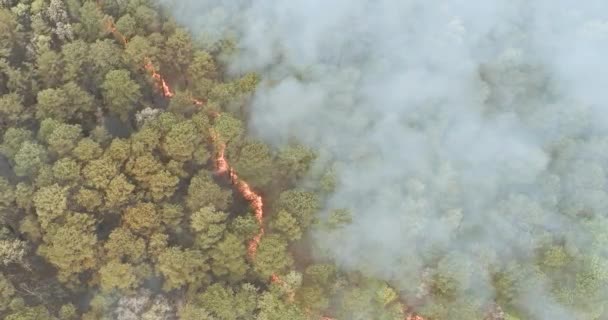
[90,19]
[338,218]
[146,140]
[313,297]
[30,313]
[138,50]
[181,103]
[18,80]
[191,311]
[202,72]
[9,32]
[75,60]
[284,223]
[226,304]
[13,139]
[202,192]
[104,56]
[89,200]
[181,267]
[179,47]
[124,245]
[172,214]
[7,194]
[272,307]
[294,161]
[52,103]
[254,164]
[64,138]
[228,258]
[87,149]
[208,225]
[119,191]
[301,204]
[68,312]
[219,301]
[66,170]
[181,141]
[12,110]
[47,126]
[147,19]
[29,159]
[555,257]
[203,124]
[24,194]
[143,167]
[157,244]
[49,67]
[120,92]
[71,247]
[99,172]
[119,150]
[161,185]
[227,128]
[7,291]
[117,275]
[79,102]
[272,256]
[245,226]
[127,26]
[142,218]
[51,203]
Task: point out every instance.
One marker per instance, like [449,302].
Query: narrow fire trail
[411,315]
[163,86]
[290,293]
[148,65]
[243,187]
[254,199]
[110,26]
[222,165]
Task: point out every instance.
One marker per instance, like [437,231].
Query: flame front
[222,165]
[290,293]
[254,199]
[160,80]
[161,83]
[111,27]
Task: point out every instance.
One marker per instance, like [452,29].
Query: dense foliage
[111,205]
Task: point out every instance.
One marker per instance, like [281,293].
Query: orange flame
[111,27]
[276,279]
[412,315]
[162,84]
[197,102]
[221,163]
[254,199]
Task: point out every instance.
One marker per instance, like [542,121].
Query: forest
[130,188]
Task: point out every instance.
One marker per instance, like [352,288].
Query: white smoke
[463,130]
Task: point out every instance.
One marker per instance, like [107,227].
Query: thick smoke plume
[467,134]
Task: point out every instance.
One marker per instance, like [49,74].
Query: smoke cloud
[467,135]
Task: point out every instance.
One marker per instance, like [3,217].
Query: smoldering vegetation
[468,138]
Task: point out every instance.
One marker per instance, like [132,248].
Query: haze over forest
[266,160]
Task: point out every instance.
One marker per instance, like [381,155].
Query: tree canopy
[131,188]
